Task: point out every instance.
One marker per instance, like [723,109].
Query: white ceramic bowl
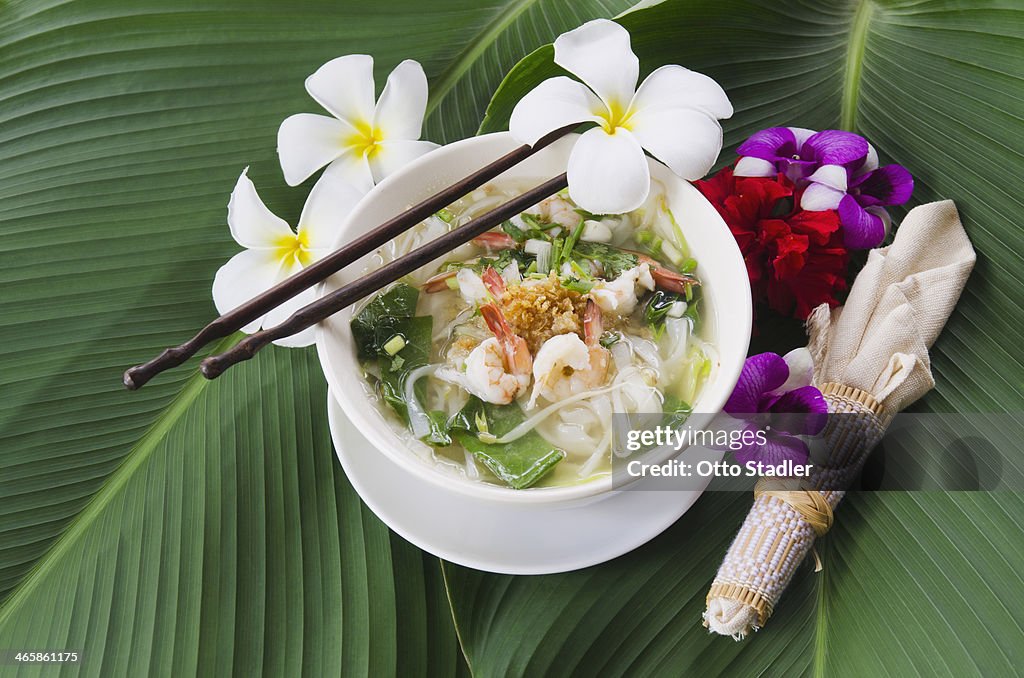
[720,267]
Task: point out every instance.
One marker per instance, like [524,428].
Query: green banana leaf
[918,583]
[194,527]
[198,527]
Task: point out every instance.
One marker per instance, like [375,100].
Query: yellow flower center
[294,247]
[365,140]
[613,117]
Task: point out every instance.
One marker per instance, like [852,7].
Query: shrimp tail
[666,279]
[439,282]
[593,325]
[493,240]
[494,282]
[517,355]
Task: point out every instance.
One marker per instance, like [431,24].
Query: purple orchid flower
[797,152]
[777,389]
[860,198]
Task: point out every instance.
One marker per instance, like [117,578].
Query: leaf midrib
[133,460]
[854,63]
[444,83]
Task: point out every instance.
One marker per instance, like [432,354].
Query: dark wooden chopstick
[238,318]
[330,304]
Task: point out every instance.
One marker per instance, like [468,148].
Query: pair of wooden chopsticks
[213,366]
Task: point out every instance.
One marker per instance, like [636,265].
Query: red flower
[795,259]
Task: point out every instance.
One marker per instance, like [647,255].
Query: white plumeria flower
[673,115]
[274,252]
[364,141]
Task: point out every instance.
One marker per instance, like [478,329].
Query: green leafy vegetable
[612,259]
[520,463]
[657,308]
[417,332]
[378,322]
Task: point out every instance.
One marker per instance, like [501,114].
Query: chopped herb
[397,362]
[394,344]
[577,285]
[445,215]
[556,252]
[657,308]
[610,337]
[570,242]
[612,259]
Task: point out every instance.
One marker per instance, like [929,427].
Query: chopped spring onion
[394,344]
[571,241]
[542,250]
[445,215]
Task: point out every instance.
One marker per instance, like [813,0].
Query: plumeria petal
[833,176]
[391,155]
[608,173]
[353,168]
[770,144]
[552,104]
[889,185]
[279,314]
[802,411]
[672,86]
[399,113]
[749,166]
[252,224]
[246,275]
[344,86]
[686,140]
[306,142]
[328,205]
[861,229]
[599,54]
[819,197]
[761,374]
[835,147]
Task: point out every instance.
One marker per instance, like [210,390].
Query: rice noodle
[531,423]
[418,419]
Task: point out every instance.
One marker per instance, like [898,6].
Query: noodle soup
[504,362]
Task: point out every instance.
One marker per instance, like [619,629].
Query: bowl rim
[379,432]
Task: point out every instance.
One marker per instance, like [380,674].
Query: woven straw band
[810,504]
[783,523]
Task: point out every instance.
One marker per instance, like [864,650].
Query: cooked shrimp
[566,365]
[494,240]
[493,281]
[498,370]
[668,280]
[556,210]
[619,295]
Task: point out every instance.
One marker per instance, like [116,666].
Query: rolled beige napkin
[870,361]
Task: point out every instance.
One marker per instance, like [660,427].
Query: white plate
[502,538]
